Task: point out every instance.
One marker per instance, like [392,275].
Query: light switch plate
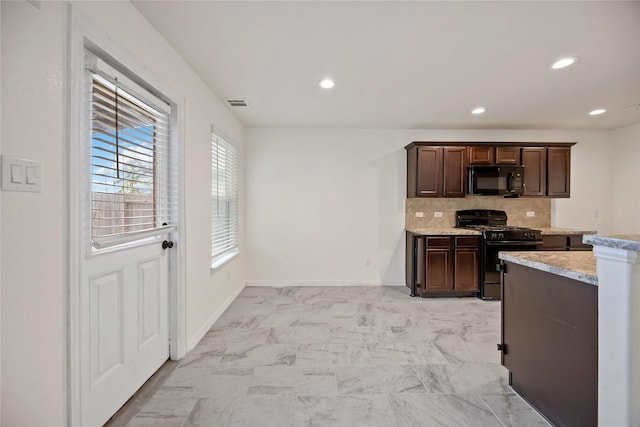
[419,214]
[437,214]
[531,213]
[21,174]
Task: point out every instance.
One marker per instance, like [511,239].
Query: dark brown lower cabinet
[467,264]
[438,268]
[564,242]
[550,343]
[443,265]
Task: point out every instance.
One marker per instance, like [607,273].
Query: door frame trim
[80,30]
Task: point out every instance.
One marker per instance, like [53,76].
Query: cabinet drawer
[438,242]
[467,241]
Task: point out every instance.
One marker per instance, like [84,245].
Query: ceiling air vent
[234,102]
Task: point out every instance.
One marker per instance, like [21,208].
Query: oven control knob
[501,236]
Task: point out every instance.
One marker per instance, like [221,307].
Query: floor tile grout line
[491,410]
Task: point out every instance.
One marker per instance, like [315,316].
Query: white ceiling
[413,64]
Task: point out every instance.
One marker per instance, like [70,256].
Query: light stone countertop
[463,231]
[629,242]
[551,231]
[444,231]
[577,265]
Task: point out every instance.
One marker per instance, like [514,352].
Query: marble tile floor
[338,356]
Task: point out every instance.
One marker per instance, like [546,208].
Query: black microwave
[495,180]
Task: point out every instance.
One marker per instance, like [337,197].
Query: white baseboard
[215,316]
[286,283]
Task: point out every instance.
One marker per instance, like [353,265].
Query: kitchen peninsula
[550,332]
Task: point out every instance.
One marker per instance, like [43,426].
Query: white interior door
[125,240]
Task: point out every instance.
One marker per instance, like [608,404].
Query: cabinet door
[481,155]
[558,171]
[507,155]
[455,171]
[466,269]
[575,243]
[554,242]
[534,160]
[429,171]
[438,271]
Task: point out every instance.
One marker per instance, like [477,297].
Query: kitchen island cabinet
[550,333]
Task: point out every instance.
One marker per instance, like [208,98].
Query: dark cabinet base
[550,343]
[442,265]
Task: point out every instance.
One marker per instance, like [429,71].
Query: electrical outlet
[531,213]
[419,214]
[437,214]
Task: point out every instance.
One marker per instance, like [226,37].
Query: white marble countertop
[629,242]
[577,265]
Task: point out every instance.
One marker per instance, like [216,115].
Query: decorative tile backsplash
[516,210]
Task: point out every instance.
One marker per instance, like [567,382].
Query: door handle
[167,244]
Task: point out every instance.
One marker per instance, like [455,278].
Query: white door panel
[149,290]
[106,325]
[127,338]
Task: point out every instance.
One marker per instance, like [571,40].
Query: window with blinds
[224,197]
[129,159]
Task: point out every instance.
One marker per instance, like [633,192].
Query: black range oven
[497,236]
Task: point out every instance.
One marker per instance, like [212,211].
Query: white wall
[625,182]
[34,239]
[0,221]
[326,206]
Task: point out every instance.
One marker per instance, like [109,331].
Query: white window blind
[224,196]
[130,194]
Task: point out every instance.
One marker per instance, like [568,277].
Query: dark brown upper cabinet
[439,169]
[547,171]
[454,171]
[507,155]
[534,160]
[558,171]
[434,171]
[488,155]
[481,155]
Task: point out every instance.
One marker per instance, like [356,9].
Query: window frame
[220,258]
[102,67]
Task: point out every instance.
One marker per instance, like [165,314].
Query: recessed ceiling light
[478,110]
[564,62]
[597,111]
[326,84]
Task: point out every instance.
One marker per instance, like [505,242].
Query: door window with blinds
[224,199]
[129,155]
